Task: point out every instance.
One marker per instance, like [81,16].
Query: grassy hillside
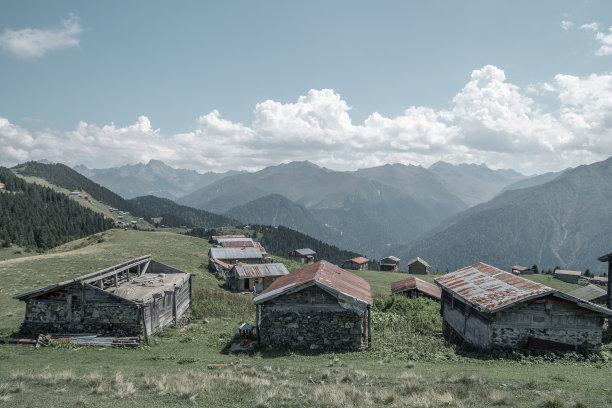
[190,366]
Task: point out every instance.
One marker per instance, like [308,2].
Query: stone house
[567,276]
[358,264]
[488,308]
[303,255]
[418,266]
[254,277]
[390,263]
[134,298]
[415,287]
[319,307]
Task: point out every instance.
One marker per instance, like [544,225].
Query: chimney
[608,259]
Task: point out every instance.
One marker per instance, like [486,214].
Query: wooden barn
[303,255]
[357,264]
[418,266]
[254,277]
[319,307]
[390,263]
[415,287]
[134,298]
[567,276]
[487,308]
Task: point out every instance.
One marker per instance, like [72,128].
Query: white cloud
[31,42]
[566,25]
[591,26]
[605,41]
[489,121]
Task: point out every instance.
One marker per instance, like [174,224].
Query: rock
[205,321]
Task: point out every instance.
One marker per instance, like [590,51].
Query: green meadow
[408,365]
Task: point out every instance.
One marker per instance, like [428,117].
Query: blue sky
[344,84]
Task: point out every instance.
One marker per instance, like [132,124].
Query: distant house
[522,270]
[358,264]
[234,255]
[220,266]
[488,308]
[215,238]
[567,276]
[134,298]
[318,307]
[590,293]
[415,287]
[599,280]
[390,263]
[418,266]
[304,255]
[254,277]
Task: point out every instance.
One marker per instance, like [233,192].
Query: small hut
[319,307]
[415,287]
[418,266]
[389,263]
[256,277]
[303,255]
[567,276]
[358,264]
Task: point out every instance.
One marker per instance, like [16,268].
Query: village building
[418,266]
[232,256]
[254,277]
[358,264]
[415,287]
[215,238]
[488,308]
[599,280]
[134,298]
[390,263]
[567,276]
[241,243]
[522,270]
[590,293]
[304,255]
[220,266]
[319,307]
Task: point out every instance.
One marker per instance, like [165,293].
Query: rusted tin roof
[358,260]
[221,263]
[236,244]
[588,292]
[261,270]
[490,289]
[323,274]
[520,268]
[413,283]
[599,278]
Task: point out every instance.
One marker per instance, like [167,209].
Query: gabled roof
[358,260]
[567,272]
[520,268]
[233,254]
[391,258]
[260,270]
[420,260]
[418,284]
[221,264]
[605,258]
[588,292]
[600,278]
[490,289]
[304,251]
[218,237]
[230,242]
[325,275]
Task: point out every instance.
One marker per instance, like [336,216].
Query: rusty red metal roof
[600,278]
[413,283]
[237,244]
[261,270]
[358,260]
[520,268]
[567,272]
[221,263]
[490,288]
[325,274]
[217,237]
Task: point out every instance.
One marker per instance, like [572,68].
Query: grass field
[190,366]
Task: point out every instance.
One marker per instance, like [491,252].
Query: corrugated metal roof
[417,259]
[218,237]
[567,272]
[588,292]
[221,263]
[391,258]
[358,260]
[418,284]
[323,274]
[261,270]
[520,268]
[236,244]
[490,289]
[304,251]
[233,254]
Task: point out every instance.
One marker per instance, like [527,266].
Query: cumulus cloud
[590,27]
[32,42]
[605,41]
[566,25]
[490,120]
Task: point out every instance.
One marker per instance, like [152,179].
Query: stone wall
[311,319]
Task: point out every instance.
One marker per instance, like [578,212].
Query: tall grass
[216,302]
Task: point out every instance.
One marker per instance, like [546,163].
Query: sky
[344,84]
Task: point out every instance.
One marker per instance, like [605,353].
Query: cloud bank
[32,43]
[489,121]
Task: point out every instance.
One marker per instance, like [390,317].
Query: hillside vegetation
[38,217]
